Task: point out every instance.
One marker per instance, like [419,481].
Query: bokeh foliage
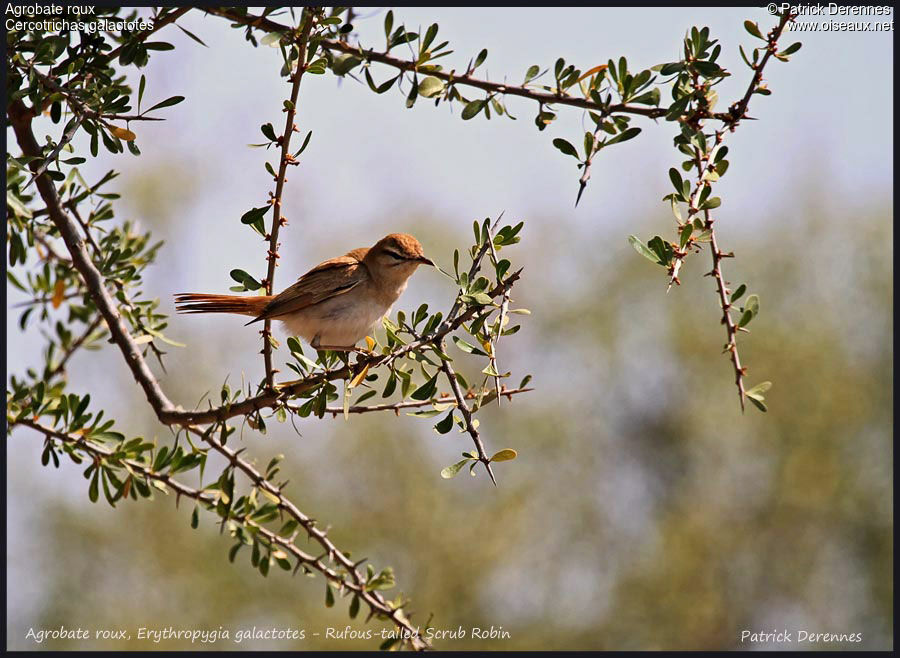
[679,524]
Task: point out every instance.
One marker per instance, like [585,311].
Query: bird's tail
[191,302]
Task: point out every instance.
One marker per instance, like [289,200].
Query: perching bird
[337,302]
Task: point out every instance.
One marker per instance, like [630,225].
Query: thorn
[487,465]
[582,185]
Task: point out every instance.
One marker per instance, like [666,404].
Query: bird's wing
[326,280]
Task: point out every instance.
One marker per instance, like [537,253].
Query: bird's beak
[426,261]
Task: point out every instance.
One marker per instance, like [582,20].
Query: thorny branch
[467,416]
[74,346]
[309,17]
[415,404]
[544,97]
[356,583]
[738,112]
[158,22]
[20,117]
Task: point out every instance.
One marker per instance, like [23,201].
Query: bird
[336,303]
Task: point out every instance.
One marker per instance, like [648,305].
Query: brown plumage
[318,306]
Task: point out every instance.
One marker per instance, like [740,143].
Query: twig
[504,305]
[356,583]
[20,118]
[375,600]
[66,138]
[410,404]
[586,172]
[308,19]
[739,110]
[547,98]
[158,23]
[736,112]
[73,347]
[467,416]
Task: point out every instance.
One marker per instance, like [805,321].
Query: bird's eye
[395,255]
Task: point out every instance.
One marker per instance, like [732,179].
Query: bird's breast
[342,320]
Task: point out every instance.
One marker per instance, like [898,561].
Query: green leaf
[759,404]
[565,147]
[254,214]
[94,489]
[413,93]
[305,144]
[757,390]
[755,395]
[329,596]
[790,50]
[248,281]
[268,131]
[318,67]
[141,87]
[669,69]
[686,235]
[505,455]
[445,425]
[467,347]
[480,59]
[174,100]
[16,205]
[430,34]
[431,86]
[661,248]
[677,181]
[472,108]
[753,29]
[738,293]
[384,580]
[345,64]
[453,471]
[624,136]
[751,309]
[643,249]
[426,390]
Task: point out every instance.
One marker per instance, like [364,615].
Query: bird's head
[396,256]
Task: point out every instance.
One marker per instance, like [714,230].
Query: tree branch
[467,416]
[544,97]
[308,19]
[414,404]
[20,118]
[74,346]
[376,602]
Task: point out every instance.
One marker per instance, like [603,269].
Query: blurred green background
[644,511]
